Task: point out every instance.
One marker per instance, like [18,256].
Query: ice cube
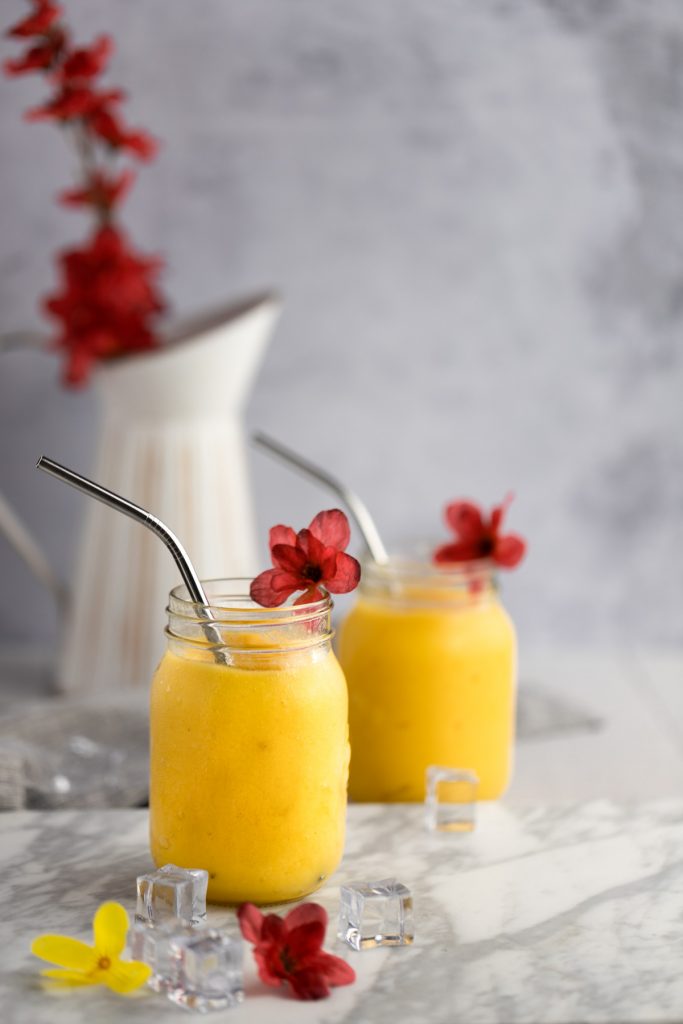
[152,945]
[451,799]
[206,970]
[172,894]
[375,914]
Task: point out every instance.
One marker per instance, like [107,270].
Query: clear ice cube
[152,945]
[451,799]
[375,914]
[207,971]
[172,894]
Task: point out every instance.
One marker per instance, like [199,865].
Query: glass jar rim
[412,568]
[234,607]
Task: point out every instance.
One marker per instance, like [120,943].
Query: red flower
[479,537]
[107,126]
[308,560]
[290,950]
[107,302]
[101,190]
[38,23]
[75,101]
[40,57]
[87,62]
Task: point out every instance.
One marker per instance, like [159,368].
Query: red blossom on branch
[88,61]
[289,950]
[108,298]
[105,303]
[479,536]
[101,190]
[44,16]
[38,58]
[308,560]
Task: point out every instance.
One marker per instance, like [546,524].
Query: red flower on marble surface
[108,299]
[479,536]
[290,950]
[308,560]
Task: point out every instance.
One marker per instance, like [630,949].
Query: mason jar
[249,746]
[429,655]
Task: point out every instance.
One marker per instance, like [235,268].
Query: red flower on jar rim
[308,560]
[289,950]
[479,536]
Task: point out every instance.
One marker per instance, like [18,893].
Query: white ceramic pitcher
[172,440]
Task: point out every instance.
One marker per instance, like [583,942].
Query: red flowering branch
[479,536]
[290,951]
[308,560]
[108,298]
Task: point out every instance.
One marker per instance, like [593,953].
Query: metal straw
[134,511]
[356,507]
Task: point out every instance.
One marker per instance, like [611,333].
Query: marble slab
[551,915]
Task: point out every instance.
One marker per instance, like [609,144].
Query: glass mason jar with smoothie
[249,739]
[249,756]
[429,655]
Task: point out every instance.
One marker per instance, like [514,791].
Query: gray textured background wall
[475,213]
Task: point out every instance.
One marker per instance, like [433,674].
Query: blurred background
[473,213]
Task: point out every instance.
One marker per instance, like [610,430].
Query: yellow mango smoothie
[249,758]
[430,661]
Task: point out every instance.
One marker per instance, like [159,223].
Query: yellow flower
[80,964]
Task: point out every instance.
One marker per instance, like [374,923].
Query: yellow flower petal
[110,926]
[60,949]
[65,979]
[125,976]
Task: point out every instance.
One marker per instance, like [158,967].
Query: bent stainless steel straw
[357,508]
[133,511]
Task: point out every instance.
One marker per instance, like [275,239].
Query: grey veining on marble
[473,208]
[544,915]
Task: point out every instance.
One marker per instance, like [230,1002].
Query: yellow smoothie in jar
[249,765]
[431,670]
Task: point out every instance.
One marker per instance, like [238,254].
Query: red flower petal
[313,548]
[89,61]
[465,519]
[306,913]
[331,528]
[281,535]
[271,588]
[250,920]
[509,550]
[309,984]
[346,576]
[290,559]
[273,928]
[268,965]
[457,552]
[38,23]
[35,59]
[498,512]
[336,970]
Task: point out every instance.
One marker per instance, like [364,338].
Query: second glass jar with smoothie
[429,655]
[249,747]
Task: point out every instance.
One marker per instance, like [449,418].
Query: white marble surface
[563,915]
